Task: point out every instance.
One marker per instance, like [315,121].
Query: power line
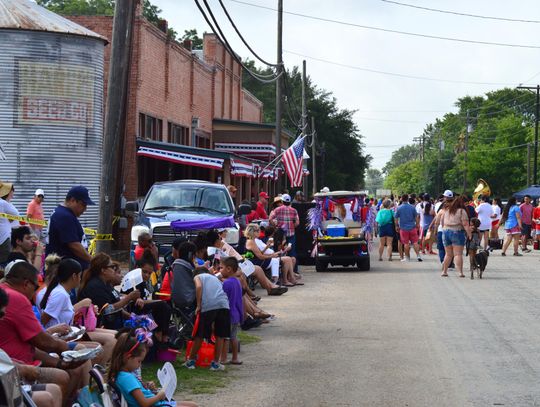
[514,20]
[242,38]
[217,32]
[400,75]
[500,44]
[497,149]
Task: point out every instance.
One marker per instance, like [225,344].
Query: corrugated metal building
[51,105]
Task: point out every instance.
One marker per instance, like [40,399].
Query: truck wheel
[321,265]
[363,264]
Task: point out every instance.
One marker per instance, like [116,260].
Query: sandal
[235,362]
[299,283]
[462,276]
[444,275]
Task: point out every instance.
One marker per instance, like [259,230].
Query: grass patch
[246,339]
[197,381]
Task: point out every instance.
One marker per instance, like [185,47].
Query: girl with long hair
[129,352]
[455,228]
[511,218]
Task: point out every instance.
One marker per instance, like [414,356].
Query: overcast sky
[390,110]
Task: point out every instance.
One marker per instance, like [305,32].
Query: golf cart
[341,234]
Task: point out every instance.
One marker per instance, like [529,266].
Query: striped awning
[241,168]
[247,149]
[181,158]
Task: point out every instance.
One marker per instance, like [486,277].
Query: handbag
[86,317]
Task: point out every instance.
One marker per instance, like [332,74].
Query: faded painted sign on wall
[54,94]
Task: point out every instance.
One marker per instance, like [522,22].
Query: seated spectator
[267,261]
[183,286]
[24,339]
[44,395]
[167,274]
[129,353]
[56,307]
[24,248]
[160,310]
[253,215]
[288,278]
[98,285]
[216,240]
[145,242]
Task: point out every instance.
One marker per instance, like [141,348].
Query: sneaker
[190,364]
[518,254]
[214,367]
[405,260]
[526,250]
[419,258]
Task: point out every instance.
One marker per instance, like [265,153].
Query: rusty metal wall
[51,116]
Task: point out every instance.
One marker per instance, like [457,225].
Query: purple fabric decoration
[315,217]
[206,223]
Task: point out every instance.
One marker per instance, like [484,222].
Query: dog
[480,263]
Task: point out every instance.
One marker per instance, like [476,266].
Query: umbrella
[533,191]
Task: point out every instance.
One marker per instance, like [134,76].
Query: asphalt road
[398,335]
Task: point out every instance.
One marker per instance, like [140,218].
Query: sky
[390,110]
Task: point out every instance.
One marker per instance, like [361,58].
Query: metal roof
[27,15]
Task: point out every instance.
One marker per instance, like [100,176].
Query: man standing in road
[65,231]
[261,205]
[286,218]
[35,211]
[407,227]
[526,221]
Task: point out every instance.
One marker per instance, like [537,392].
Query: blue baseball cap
[80,193]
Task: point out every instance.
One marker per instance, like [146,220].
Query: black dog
[480,263]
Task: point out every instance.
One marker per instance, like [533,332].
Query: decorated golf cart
[342,224]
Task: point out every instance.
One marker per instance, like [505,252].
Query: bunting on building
[241,168]
[247,149]
[181,158]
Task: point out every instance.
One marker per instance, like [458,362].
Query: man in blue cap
[65,231]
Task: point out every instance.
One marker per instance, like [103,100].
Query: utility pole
[117,86]
[279,82]
[313,155]
[304,111]
[536,117]
[529,164]
[466,147]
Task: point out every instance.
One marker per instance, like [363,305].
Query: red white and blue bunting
[241,168]
[247,149]
[181,158]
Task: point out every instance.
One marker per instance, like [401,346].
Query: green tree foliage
[101,8]
[196,41]
[497,146]
[341,162]
[406,178]
[374,180]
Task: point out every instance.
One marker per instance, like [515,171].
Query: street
[398,335]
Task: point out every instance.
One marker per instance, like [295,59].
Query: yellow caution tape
[24,219]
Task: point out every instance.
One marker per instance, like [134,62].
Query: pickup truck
[183,200]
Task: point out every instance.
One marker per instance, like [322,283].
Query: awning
[247,149]
[241,168]
[181,158]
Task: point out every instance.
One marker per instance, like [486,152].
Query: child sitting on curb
[233,289]
[212,309]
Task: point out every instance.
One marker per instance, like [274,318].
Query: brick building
[188,116]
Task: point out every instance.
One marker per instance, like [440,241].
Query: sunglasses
[36,285]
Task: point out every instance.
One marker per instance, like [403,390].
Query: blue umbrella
[533,191]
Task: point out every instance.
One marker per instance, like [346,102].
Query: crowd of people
[452,223]
[49,288]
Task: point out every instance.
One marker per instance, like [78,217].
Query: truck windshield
[189,197]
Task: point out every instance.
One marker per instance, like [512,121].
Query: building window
[202,140]
[150,128]
[178,134]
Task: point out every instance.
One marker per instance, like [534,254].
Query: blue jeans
[292,252]
[440,247]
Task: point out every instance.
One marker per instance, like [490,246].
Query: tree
[196,41]
[374,180]
[406,178]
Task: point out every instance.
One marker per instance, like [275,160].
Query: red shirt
[18,326]
[138,252]
[261,211]
[253,215]
[536,214]
[35,211]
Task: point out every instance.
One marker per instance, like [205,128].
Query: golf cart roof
[335,194]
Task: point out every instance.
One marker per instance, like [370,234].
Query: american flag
[292,161]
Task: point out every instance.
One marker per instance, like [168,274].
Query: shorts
[234,331]
[220,319]
[526,230]
[514,231]
[386,230]
[453,237]
[407,236]
[494,223]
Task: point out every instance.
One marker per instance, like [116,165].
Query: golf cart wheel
[321,265]
[363,264]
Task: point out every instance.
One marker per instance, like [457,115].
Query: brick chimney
[188,44]
[163,25]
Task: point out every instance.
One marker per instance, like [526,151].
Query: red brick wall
[252,108]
